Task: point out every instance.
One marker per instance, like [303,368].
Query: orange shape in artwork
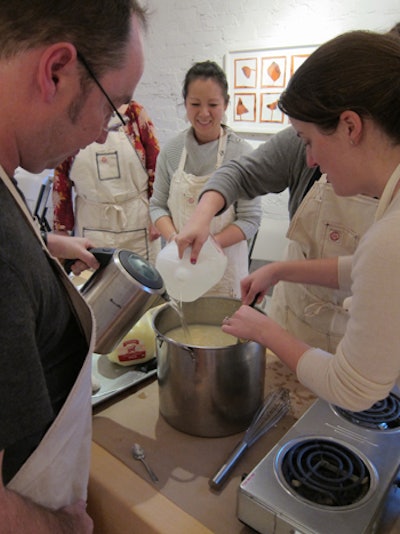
[241,108]
[247,71]
[274,71]
[273,105]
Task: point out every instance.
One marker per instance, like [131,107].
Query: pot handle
[103,256]
[191,353]
[161,340]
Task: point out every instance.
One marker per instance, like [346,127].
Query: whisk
[272,409]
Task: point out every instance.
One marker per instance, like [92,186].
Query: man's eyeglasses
[116,114]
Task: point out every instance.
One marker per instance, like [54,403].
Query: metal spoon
[138,454]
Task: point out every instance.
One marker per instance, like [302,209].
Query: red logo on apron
[334,235]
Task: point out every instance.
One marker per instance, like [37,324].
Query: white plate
[114,378]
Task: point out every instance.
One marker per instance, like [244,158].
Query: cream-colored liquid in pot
[202,335]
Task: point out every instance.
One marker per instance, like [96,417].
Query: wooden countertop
[121,497]
[122,500]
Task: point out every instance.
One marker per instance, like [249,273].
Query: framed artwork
[244,107]
[256,79]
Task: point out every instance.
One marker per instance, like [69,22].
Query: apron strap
[222,141]
[33,223]
[387,194]
[314,178]
[182,160]
[82,312]
[131,140]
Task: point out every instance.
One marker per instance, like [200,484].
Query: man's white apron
[111,203]
[57,472]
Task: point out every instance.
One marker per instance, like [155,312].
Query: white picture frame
[256,79]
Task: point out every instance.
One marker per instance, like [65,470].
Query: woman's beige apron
[111,203]
[57,472]
[184,192]
[325,225]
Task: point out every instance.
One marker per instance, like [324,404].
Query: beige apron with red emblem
[325,225]
[56,474]
[111,203]
[185,189]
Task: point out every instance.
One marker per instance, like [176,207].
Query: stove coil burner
[325,473]
[383,415]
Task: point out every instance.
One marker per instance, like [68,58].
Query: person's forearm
[288,348]
[322,272]
[61,232]
[210,203]
[230,235]
[248,323]
[166,227]
[196,230]
[73,248]
[20,515]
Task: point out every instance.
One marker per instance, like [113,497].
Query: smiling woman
[205,93]
[187,161]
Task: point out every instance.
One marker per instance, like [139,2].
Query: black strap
[316,175]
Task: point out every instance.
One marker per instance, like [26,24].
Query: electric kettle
[122,289]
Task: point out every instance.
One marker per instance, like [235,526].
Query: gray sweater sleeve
[277,164]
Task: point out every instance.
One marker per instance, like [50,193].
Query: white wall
[184,31]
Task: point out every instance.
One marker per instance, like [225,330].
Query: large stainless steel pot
[119,293]
[207,391]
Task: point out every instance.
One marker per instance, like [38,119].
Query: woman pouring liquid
[186,163]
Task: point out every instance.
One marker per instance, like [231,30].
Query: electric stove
[333,471]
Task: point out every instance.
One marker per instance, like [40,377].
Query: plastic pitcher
[184,281]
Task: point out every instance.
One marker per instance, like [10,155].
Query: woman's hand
[192,235]
[246,323]
[153,232]
[256,285]
[196,231]
[71,248]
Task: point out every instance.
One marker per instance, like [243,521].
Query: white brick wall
[184,31]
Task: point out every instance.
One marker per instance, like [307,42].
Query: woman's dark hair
[358,71]
[205,70]
[395,31]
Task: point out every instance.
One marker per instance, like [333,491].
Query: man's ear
[57,66]
[353,126]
